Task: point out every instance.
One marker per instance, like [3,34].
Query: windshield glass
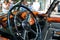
[36,5]
[42,4]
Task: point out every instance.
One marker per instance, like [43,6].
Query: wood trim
[53,19]
[58,33]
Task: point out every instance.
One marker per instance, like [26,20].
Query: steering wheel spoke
[33,31]
[25,35]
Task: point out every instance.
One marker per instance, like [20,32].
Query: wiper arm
[52,6]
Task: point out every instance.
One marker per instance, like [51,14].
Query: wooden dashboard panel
[31,21]
[53,19]
[3,38]
[23,15]
[58,33]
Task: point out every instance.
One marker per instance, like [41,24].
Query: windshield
[42,4]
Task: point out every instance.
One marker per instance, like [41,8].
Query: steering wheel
[22,29]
